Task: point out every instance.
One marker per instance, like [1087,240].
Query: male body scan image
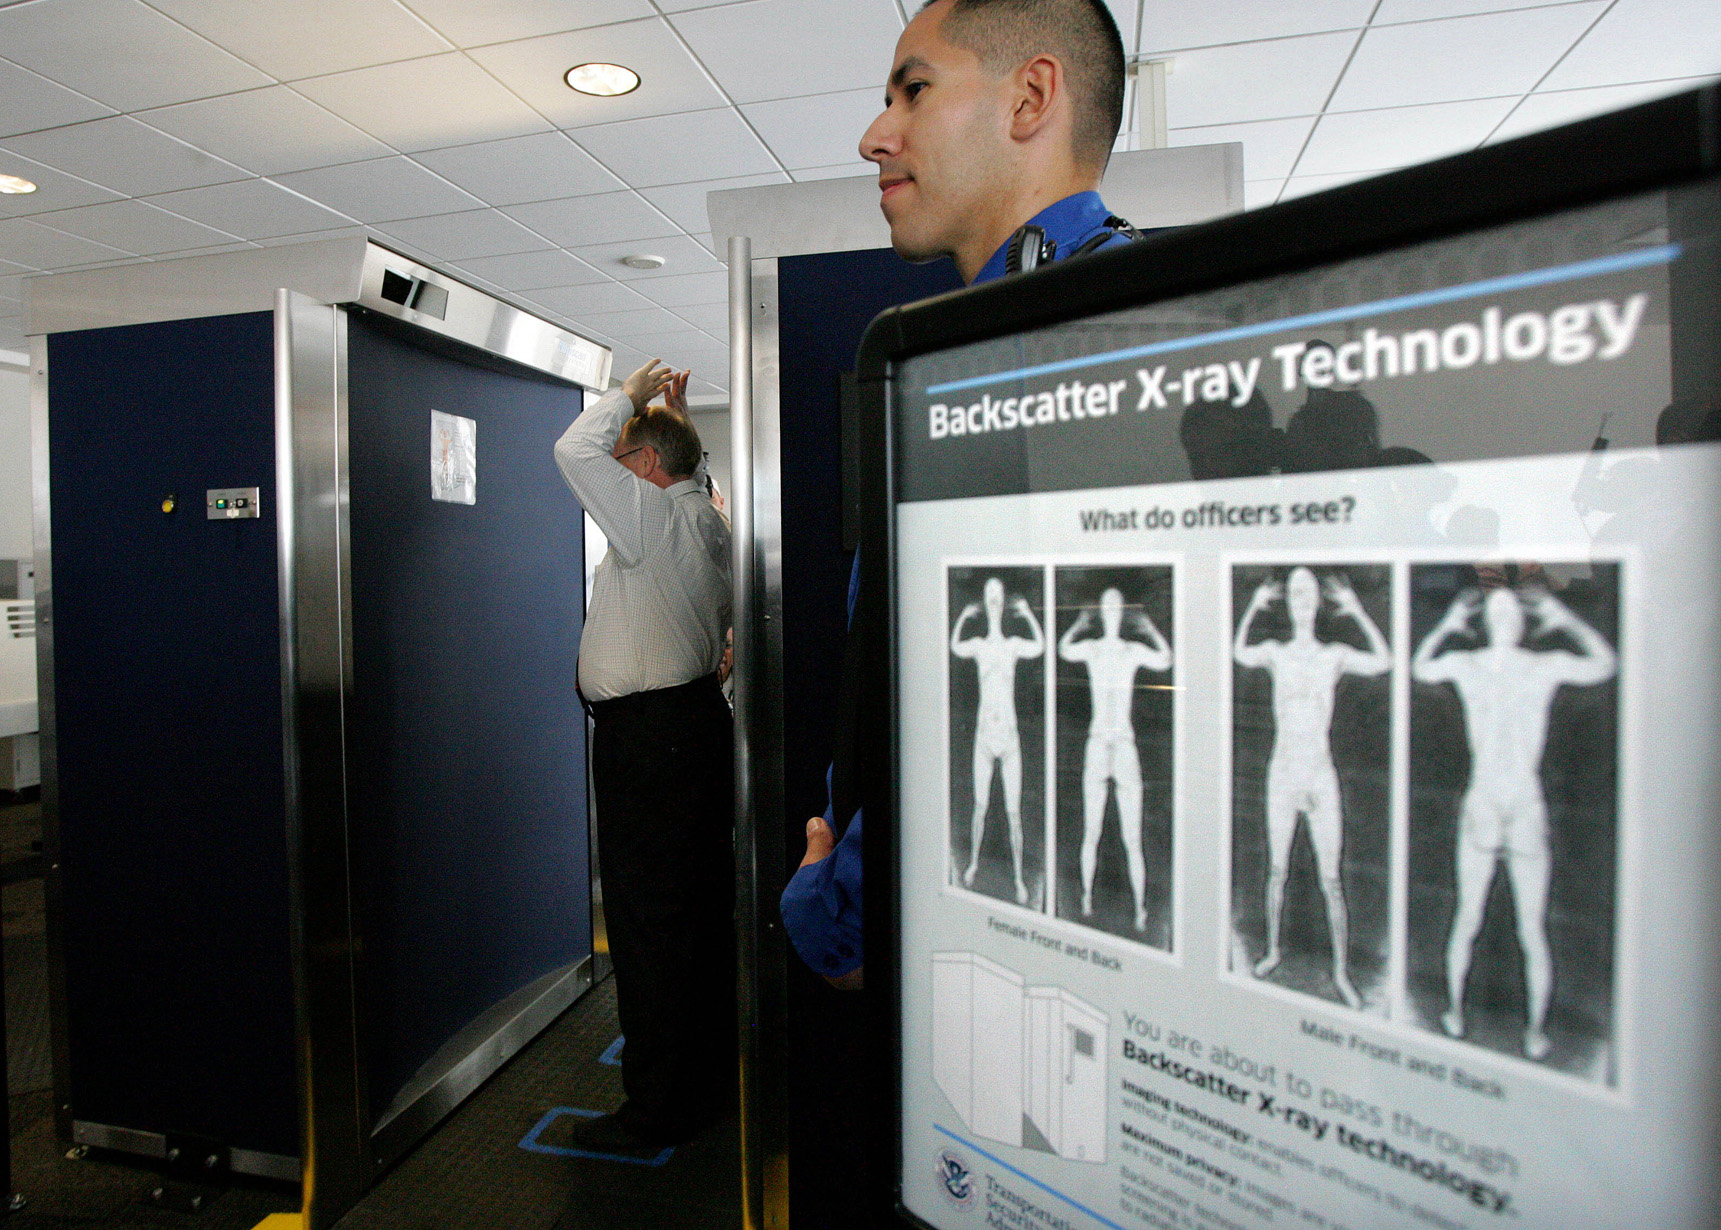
[1111,755]
[1507,690]
[1301,778]
[997,741]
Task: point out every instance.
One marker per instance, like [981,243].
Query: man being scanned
[1112,756]
[1301,779]
[1508,691]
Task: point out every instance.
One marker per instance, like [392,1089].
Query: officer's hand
[820,841]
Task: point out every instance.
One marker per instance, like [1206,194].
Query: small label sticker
[453,458]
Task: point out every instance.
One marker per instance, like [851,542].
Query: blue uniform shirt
[822,902]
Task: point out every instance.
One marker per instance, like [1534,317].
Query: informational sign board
[1306,702]
[453,458]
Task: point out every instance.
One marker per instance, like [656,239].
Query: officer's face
[937,141]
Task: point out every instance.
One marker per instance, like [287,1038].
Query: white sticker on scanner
[453,458]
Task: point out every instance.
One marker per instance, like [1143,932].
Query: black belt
[621,704]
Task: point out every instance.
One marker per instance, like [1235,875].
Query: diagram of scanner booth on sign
[1023,1065]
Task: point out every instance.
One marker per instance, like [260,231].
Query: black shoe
[619,1133]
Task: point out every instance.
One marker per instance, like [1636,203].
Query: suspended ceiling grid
[157,128]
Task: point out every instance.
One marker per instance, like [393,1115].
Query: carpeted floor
[471,1173]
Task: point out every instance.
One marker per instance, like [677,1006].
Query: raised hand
[1267,592]
[1020,605]
[647,383]
[675,393]
[1462,610]
[1550,612]
[1339,592]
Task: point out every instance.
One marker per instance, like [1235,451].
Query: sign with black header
[1307,702]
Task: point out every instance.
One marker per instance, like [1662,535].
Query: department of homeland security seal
[958,1182]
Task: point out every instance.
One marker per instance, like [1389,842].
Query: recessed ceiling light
[602,80]
[644,260]
[14,185]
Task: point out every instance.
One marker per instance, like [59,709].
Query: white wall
[16,537]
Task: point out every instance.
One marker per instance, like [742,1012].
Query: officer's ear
[1040,88]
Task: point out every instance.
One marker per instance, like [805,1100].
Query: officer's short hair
[674,438]
[1081,33]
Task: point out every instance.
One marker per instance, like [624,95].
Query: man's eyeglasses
[630,452]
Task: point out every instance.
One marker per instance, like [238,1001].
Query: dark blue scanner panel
[467,741]
[827,301]
[168,688]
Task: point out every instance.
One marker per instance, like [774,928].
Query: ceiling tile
[605,296]
[1303,185]
[1270,148]
[381,190]
[1426,10]
[542,167]
[844,170]
[481,232]
[532,271]
[670,79]
[637,323]
[309,37]
[28,243]
[494,21]
[1644,40]
[707,145]
[134,226]
[1170,24]
[1257,193]
[33,102]
[122,154]
[120,52]
[1550,110]
[820,131]
[685,203]
[338,232]
[1357,142]
[1255,81]
[684,289]
[425,104]
[1461,57]
[54,189]
[583,220]
[729,41]
[682,254]
[713,318]
[269,131]
[255,209]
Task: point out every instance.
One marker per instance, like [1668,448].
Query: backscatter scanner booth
[309,595]
[1293,787]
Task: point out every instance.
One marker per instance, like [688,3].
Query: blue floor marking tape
[1023,1174]
[612,1056]
[531,1145]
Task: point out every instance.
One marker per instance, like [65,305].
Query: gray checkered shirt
[660,603]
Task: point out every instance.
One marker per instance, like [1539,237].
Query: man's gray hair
[1082,34]
[671,434]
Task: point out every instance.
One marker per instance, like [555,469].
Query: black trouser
[663,770]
